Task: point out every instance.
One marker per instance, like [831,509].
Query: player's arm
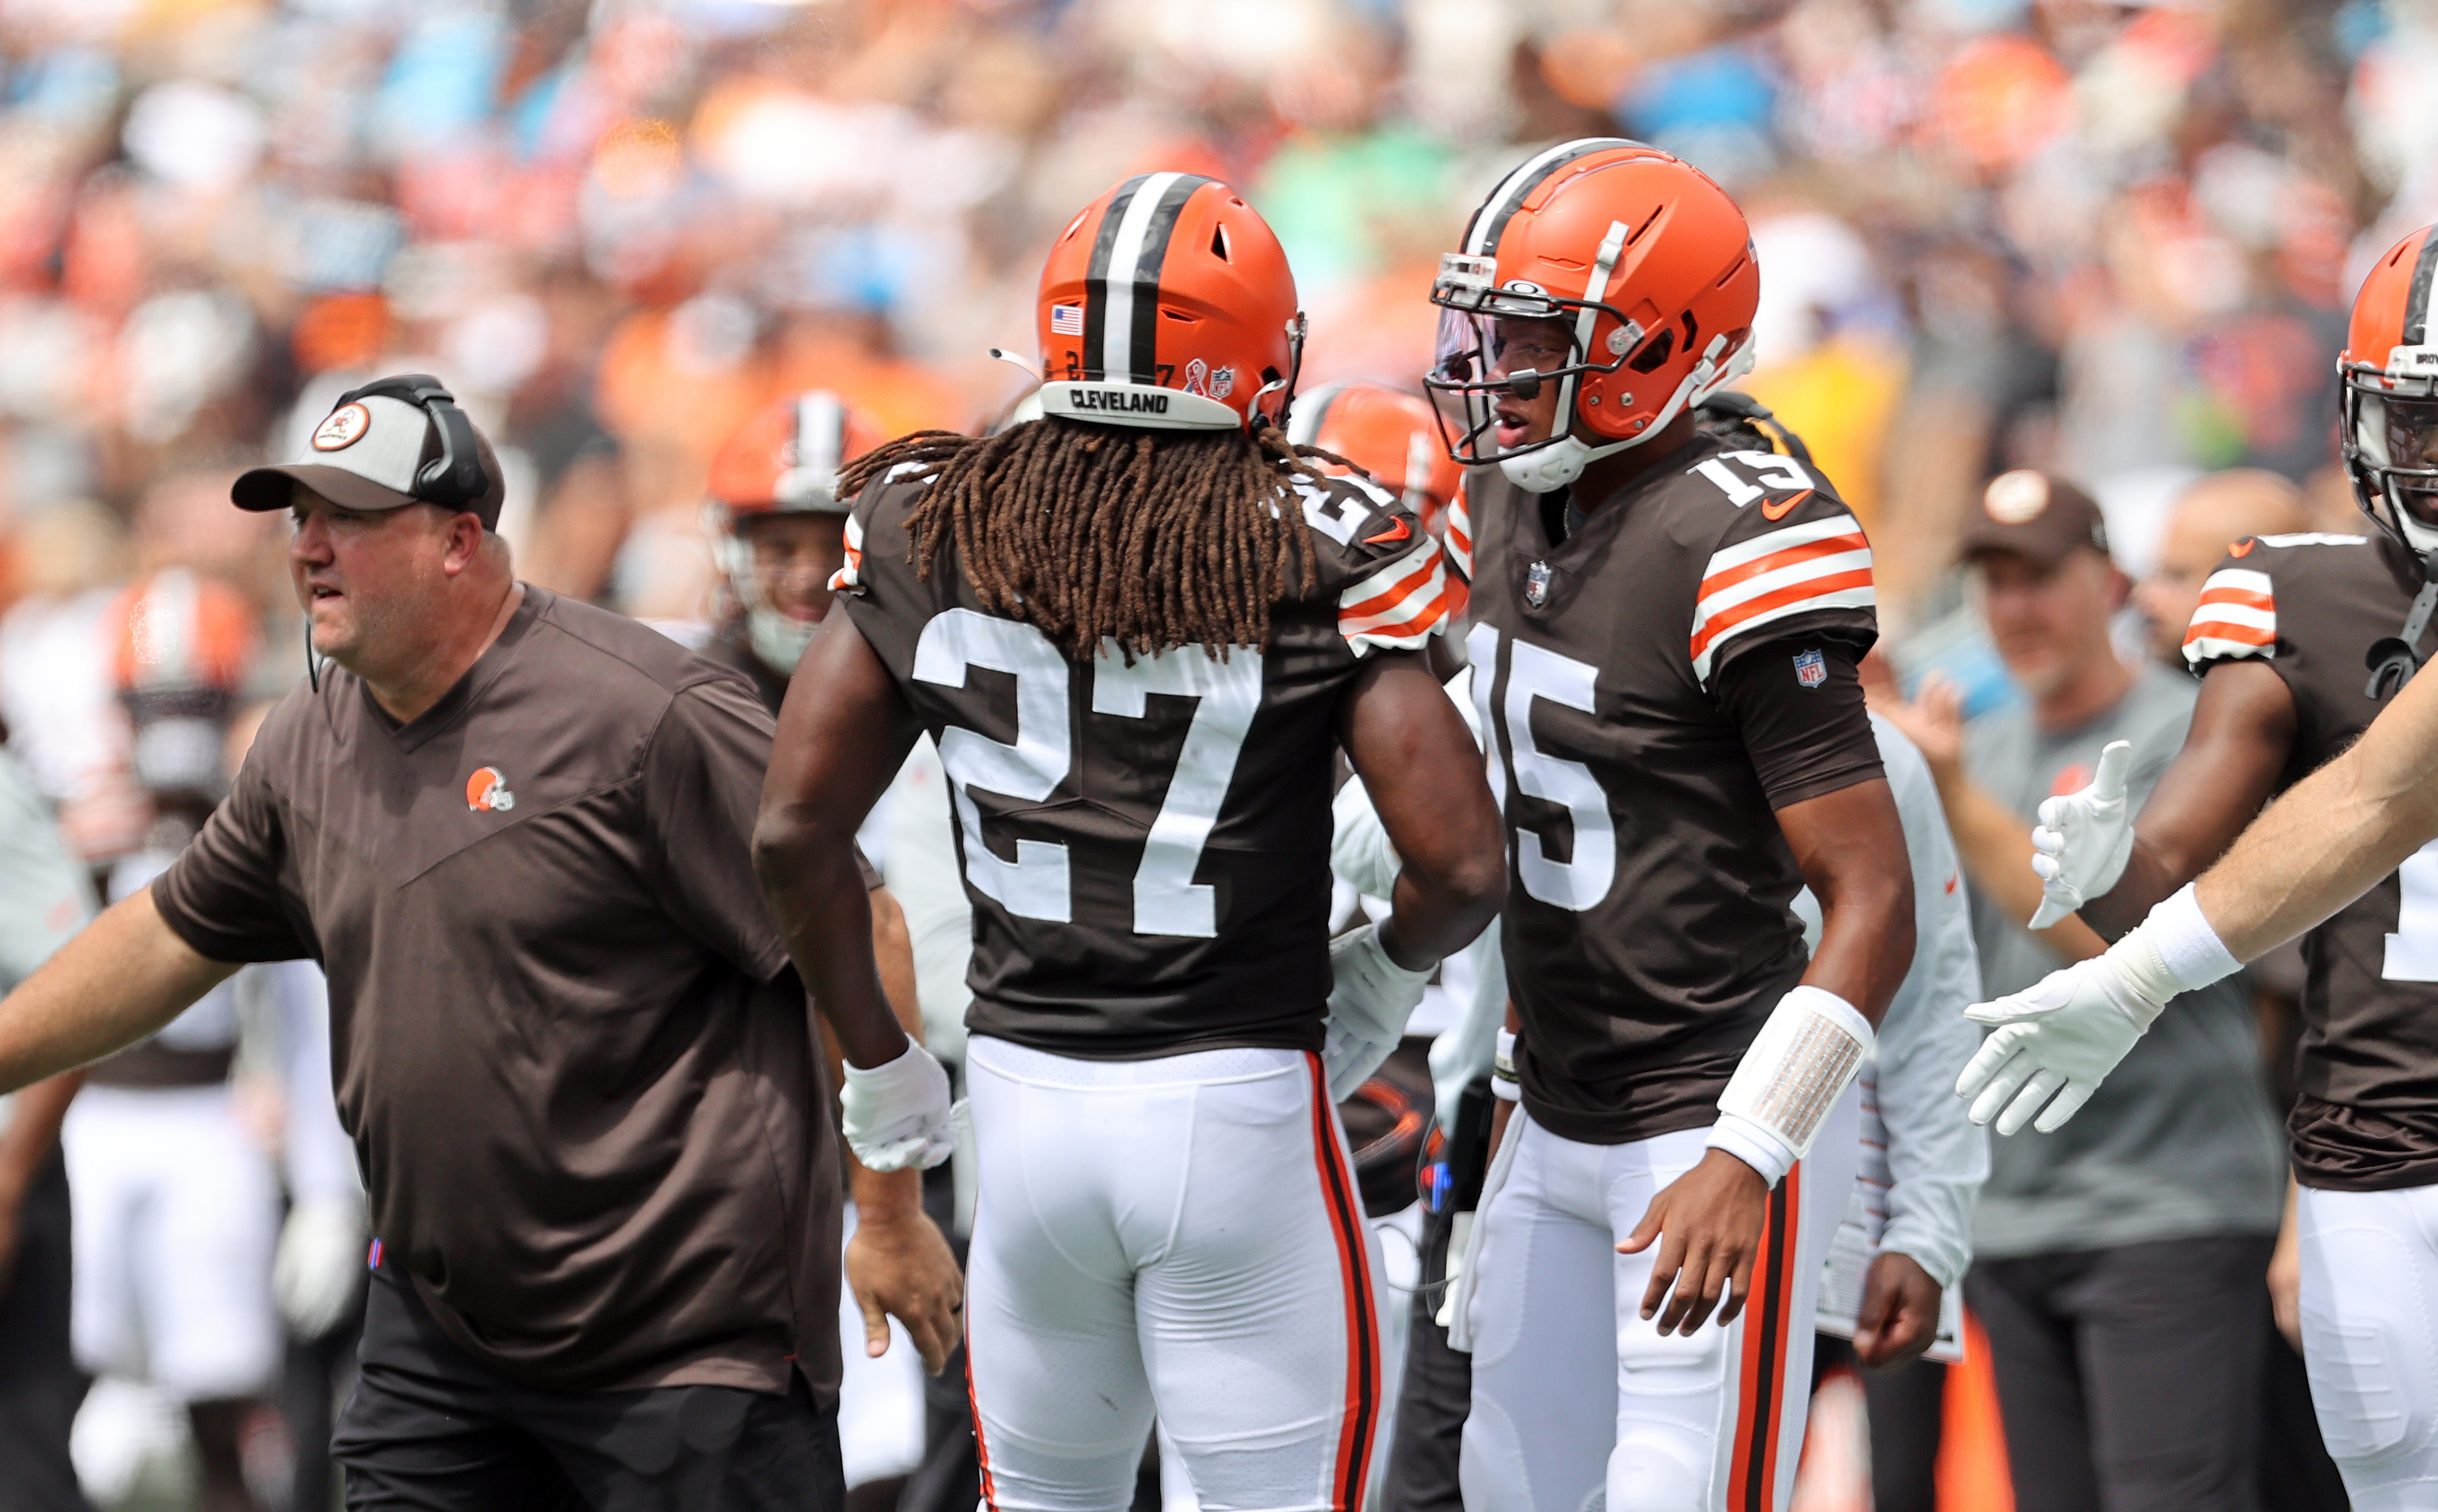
[1850,846]
[1424,773]
[1424,777]
[842,734]
[125,977]
[2241,735]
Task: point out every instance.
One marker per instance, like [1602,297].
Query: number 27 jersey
[1146,847]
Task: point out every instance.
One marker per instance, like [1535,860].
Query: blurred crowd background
[2111,242]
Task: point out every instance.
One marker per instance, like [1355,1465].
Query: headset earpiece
[455,478]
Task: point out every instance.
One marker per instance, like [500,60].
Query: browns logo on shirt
[1146,845]
[2311,606]
[1656,681]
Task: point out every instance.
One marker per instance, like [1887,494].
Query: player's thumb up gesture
[2083,839]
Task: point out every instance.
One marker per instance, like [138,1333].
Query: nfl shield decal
[1536,585]
[1810,669]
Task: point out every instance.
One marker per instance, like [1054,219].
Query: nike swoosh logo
[1397,530]
[1776,510]
[2242,548]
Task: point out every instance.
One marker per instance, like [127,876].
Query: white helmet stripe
[1126,258]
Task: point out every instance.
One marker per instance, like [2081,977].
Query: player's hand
[2083,839]
[902,1267]
[2058,1038]
[1708,1222]
[319,1263]
[2285,1279]
[898,1115]
[1370,997]
[1900,1316]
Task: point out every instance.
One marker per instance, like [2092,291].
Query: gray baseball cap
[377,450]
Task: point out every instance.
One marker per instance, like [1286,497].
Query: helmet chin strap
[779,640]
[1546,469]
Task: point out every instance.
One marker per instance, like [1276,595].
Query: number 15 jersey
[1654,686]
[1146,847]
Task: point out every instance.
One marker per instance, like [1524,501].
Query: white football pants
[1576,1398]
[1180,1235]
[2370,1339]
[176,1214]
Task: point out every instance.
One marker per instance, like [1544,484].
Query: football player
[1137,627]
[2301,640]
[1665,658]
[778,526]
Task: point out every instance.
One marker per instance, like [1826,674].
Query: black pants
[40,1385]
[2129,1377]
[1435,1397]
[431,1429]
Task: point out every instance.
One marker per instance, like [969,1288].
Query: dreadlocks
[1151,539]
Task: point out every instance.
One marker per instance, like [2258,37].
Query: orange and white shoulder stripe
[1821,564]
[849,579]
[1399,606]
[2236,617]
[1459,535]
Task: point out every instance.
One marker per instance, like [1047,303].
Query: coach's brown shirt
[2312,607]
[567,1043]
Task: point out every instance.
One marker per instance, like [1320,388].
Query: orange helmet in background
[1389,433]
[2389,370]
[1647,263]
[787,456]
[1168,303]
[783,461]
[182,648]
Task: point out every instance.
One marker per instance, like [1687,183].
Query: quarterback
[1137,627]
[2303,640]
[1664,648]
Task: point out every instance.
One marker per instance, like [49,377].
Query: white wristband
[1503,1084]
[2187,944]
[1806,1055]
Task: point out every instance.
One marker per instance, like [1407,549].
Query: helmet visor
[1496,382]
[2407,431]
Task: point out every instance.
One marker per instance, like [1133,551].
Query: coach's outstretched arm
[2327,841]
[127,975]
[1425,778]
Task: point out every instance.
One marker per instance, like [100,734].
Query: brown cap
[2034,515]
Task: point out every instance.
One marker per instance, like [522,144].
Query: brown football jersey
[1146,847]
[2312,607]
[1655,684]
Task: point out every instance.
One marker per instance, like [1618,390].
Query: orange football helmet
[181,648]
[783,461]
[1389,433]
[1168,302]
[2390,395]
[1646,261]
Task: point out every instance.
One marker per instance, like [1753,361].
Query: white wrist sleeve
[1805,1057]
[2178,949]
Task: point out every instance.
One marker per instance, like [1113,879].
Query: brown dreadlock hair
[1151,539]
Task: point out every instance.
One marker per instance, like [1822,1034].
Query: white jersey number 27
[1537,672]
[1035,884]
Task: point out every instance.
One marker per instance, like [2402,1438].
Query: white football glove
[1370,997]
[2060,1036]
[2083,839]
[319,1263]
[898,1114]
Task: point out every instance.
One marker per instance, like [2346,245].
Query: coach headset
[453,480]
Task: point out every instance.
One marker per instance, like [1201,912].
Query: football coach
[582,1080]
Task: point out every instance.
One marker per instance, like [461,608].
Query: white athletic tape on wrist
[1503,1084]
[1806,1054]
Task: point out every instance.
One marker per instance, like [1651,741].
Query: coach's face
[2049,621]
[374,583]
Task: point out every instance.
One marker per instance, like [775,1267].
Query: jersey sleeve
[1798,706]
[1387,574]
[1796,564]
[224,895]
[1459,535]
[2237,616]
